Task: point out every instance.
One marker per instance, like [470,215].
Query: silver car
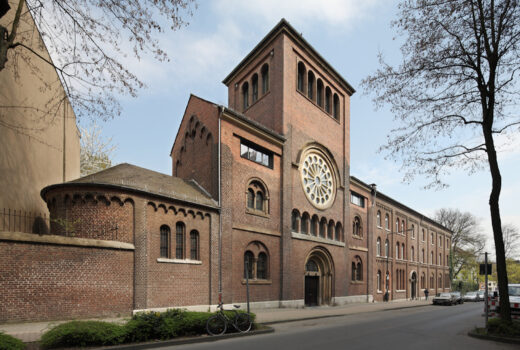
[471,296]
[444,299]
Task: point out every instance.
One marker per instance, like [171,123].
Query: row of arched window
[378,281]
[317,92]
[181,246]
[400,279]
[251,94]
[400,253]
[316,227]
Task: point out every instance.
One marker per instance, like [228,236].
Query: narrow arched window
[301,76]
[413,254]
[353,271]
[387,280]
[339,232]
[310,85]
[194,245]
[245,96]
[319,93]
[378,246]
[180,230]
[254,84]
[261,266]
[402,227]
[413,231]
[402,252]
[314,225]
[386,248]
[165,241]
[336,107]
[422,256]
[249,260]
[379,219]
[356,227]
[387,222]
[431,257]
[327,99]
[295,221]
[330,231]
[397,250]
[305,223]
[397,226]
[423,235]
[323,227]
[250,198]
[259,201]
[265,78]
[378,280]
[359,270]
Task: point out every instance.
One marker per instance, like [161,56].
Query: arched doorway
[413,287]
[318,278]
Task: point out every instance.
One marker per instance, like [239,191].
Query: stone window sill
[257,282]
[179,261]
[257,213]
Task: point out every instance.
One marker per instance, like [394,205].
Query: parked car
[444,299]
[471,296]
[482,295]
[458,297]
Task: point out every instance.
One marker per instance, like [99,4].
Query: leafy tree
[454,94]
[88,41]
[467,241]
[96,151]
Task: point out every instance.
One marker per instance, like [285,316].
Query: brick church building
[259,189]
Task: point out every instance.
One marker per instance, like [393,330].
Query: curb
[340,315]
[494,338]
[173,342]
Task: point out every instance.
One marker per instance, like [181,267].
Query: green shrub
[497,326]
[8,342]
[83,333]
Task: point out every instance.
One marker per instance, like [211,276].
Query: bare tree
[96,151]
[511,240]
[454,94]
[467,240]
[88,41]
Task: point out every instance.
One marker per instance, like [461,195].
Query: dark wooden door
[311,290]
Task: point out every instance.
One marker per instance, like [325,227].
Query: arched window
[387,280]
[397,226]
[261,266]
[379,280]
[254,84]
[314,225]
[180,230]
[245,96]
[413,254]
[402,252]
[353,271]
[305,223]
[397,250]
[295,221]
[339,232]
[257,198]
[319,93]
[327,99]
[423,235]
[440,259]
[259,201]
[310,85]
[432,242]
[387,222]
[422,256]
[249,261]
[323,227]
[403,231]
[431,257]
[379,219]
[386,248]
[165,241]
[356,227]
[378,246]
[250,198]
[432,280]
[265,78]
[359,270]
[301,76]
[423,281]
[330,231]
[336,107]
[194,245]
[413,231]
[439,285]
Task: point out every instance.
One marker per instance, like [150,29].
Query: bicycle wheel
[242,322]
[216,325]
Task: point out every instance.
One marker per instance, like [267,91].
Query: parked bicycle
[217,324]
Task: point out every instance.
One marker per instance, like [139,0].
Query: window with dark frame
[254,84]
[194,245]
[165,241]
[261,266]
[357,199]
[179,240]
[256,153]
[249,260]
[265,78]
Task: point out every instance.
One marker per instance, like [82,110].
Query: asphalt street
[428,327]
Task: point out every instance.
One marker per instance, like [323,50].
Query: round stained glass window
[318,180]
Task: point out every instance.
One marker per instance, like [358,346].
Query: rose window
[317,180]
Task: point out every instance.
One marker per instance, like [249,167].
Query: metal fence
[23,221]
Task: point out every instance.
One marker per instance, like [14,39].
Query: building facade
[261,193]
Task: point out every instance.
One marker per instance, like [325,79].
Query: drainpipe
[222,109]
[370,236]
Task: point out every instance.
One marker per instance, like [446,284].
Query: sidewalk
[29,332]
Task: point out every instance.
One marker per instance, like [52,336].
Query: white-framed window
[357,199]
[378,246]
[378,218]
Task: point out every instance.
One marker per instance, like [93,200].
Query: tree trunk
[505,309]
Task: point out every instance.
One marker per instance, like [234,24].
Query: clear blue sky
[347,33]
